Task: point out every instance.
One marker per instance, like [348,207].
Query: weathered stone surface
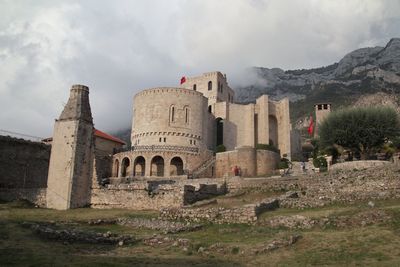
[361,219]
[71,235]
[72,154]
[276,244]
[244,214]
[168,227]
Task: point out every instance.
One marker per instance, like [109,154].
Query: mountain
[366,76]
[363,72]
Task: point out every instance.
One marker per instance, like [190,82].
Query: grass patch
[374,245]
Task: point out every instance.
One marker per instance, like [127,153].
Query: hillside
[363,72]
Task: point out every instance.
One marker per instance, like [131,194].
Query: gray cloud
[120,47]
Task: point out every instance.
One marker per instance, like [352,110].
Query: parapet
[162,90]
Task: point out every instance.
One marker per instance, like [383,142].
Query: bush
[283,164]
[361,130]
[320,162]
[267,147]
[220,148]
[331,151]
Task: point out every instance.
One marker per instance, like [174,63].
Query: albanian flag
[183,79]
[310,129]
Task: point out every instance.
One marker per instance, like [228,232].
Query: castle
[175,133]
[175,130]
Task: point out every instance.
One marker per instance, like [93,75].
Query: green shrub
[283,164]
[235,250]
[267,147]
[320,162]
[361,130]
[220,148]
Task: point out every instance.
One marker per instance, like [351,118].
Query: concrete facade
[71,159]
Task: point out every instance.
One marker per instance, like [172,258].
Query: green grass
[373,245]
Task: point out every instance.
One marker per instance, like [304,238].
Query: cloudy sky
[118,48]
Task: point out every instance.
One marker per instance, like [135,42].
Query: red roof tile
[107,136]
[97,133]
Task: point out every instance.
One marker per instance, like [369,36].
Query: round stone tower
[169,116]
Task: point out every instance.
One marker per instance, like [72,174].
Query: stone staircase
[202,168]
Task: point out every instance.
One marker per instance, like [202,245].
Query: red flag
[183,79]
[311,126]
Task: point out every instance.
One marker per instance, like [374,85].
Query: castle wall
[262,136]
[244,158]
[23,164]
[251,161]
[36,196]
[267,162]
[23,170]
[284,126]
[239,126]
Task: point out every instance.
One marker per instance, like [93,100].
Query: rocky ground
[340,219]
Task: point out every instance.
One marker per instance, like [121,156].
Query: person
[303,166]
[236,170]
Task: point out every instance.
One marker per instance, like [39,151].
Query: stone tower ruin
[71,160]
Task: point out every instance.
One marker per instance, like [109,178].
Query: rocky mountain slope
[357,78]
[366,76]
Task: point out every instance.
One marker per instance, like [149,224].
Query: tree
[360,130]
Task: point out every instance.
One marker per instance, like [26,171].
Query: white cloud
[120,47]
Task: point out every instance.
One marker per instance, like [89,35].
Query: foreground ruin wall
[153,195]
[24,167]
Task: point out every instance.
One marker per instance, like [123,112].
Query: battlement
[163,90]
[209,75]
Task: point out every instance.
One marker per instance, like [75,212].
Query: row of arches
[157,167]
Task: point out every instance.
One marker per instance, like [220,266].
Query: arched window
[221,86]
[273,130]
[209,85]
[176,166]
[157,166]
[220,131]
[172,114]
[125,167]
[209,109]
[139,166]
[194,87]
[186,115]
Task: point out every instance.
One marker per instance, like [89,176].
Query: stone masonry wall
[36,196]
[251,162]
[359,164]
[153,195]
[23,164]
